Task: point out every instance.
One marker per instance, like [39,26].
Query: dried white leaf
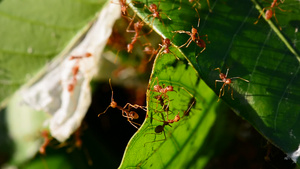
[51,93]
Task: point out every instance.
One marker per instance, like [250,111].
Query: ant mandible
[226,81]
[130,115]
[137,29]
[271,11]
[194,36]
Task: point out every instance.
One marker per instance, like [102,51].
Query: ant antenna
[113,104]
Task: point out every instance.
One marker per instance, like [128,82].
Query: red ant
[75,70]
[226,81]
[130,115]
[161,89]
[197,3]
[45,135]
[154,9]
[271,11]
[149,50]
[161,128]
[80,57]
[165,47]
[124,6]
[137,29]
[161,101]
[194,36]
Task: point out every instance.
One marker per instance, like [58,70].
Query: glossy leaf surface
[260,53]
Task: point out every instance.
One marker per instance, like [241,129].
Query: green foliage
[33,33]
[183,144]
[261,53]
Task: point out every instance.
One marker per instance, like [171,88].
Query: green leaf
[34,33]
[186,139]
[260,53]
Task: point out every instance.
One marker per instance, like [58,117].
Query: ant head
[169,88]
[222,76]
[157,88]
[194,31]
[124,9]
[129,48]
[138,26]
[177,118]
[113,104]
[153,7]
[159,129]
[167,41]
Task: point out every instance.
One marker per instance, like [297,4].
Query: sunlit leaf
[260,53]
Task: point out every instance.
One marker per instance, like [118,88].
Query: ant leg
[133,123]
[216,82]
[155,138]
[104,111]
[226,75]
[166,15]
[113,103]
[218,69]
[282,9]
[208,4]
[221,91]
[260,15]
[240,78]
[201,51]
[180,5]
[175,56]
[128,27]
[188,41]
[277,20]
[135,106]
